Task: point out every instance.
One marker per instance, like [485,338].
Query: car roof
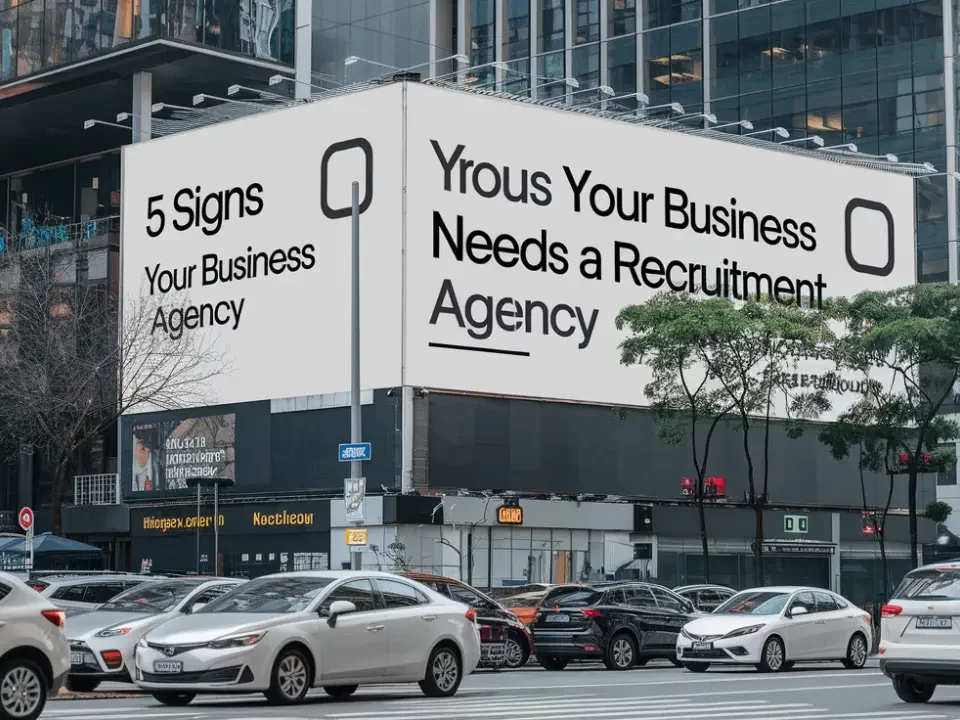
[84,579]
[703,586]
[942,565]
[333,574]
[787,589]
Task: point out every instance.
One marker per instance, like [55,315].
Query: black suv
[624,625]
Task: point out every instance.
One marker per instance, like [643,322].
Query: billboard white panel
[529,229]
[250,219]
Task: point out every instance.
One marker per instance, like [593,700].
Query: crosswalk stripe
[592,712]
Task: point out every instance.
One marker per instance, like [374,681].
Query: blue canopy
[47,544]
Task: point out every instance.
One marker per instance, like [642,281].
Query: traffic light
[867,524]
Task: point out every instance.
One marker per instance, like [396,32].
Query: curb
[119,695]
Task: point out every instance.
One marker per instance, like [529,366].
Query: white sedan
[773,628]
[284,634]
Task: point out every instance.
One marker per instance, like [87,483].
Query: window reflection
[550,68]
[587,21]
[551,26]
[586,70]
[622,67]
[621,17]
[516,51]
[482,17]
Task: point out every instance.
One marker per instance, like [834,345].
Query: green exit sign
[797,524]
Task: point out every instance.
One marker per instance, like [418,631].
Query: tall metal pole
[198,528]
[216,528]
[356,431]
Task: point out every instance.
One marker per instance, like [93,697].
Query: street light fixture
[234,89]
[605,90]
[745,124]
[815,139]
[849,147]
[778,131]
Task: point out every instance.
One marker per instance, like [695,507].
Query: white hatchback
[284,634]
[34,650]
[920,632]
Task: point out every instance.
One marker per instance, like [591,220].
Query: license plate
[76,658]
[703,646]
[167,666]
[927,622]
[558,618]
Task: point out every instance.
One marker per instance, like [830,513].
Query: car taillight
[39,588]
[890,611]
[868,619]
[57,617]
[472,615]
[591,613]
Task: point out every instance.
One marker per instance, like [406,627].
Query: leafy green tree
[754,346]
[937,511]
[670,334]
[914,334]
[714,361]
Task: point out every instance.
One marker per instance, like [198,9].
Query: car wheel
[911,691]
[174,699]
[444,672]
[696,667]
[517,651]
[340,691]
[772,657]
[856,653]
[23,689]
[621,652]
[290,679]
[82,684]
[552,663]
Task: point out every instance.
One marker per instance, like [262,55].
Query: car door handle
[820,622]
[375,628]
[428,618]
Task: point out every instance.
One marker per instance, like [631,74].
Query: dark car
[623,625]
[504,639]
[705,597]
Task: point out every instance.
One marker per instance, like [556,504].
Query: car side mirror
[196,606]
[338,608]
[801,610]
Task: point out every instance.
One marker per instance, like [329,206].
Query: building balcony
[97,489]
[39,36]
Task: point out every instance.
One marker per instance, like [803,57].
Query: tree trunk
[758,509]
[912,499]
[884,571]
[470,558]
[59,487]
[703,535]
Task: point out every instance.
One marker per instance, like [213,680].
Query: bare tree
[73,366]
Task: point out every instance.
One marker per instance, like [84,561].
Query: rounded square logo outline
[356,143]
[883,270]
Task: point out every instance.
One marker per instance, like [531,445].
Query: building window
[552,32]
[482,39]
[949,475]
[621,17]
[587,21]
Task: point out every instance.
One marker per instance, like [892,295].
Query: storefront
[254,538]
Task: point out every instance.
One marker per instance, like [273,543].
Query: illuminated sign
[510,515]
[356,536]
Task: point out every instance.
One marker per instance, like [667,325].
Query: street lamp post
[356,430]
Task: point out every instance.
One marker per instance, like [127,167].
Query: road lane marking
[597,711]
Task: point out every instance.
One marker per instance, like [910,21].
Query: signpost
[356,537]
[351,452]
[796,524]
[25,517]
[357,483]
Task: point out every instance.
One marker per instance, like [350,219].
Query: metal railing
[97,489]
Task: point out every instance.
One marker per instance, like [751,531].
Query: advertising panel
[520,254]
[239,236]
[168,453]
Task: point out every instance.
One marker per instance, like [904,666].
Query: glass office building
[877,73]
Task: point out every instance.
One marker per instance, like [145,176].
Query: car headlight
[113,632]
[232,641]
[743,631]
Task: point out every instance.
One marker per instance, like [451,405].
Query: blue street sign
[355,451]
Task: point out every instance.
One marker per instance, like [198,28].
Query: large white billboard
[529,229]
[241,232]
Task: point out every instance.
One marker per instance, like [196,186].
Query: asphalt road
[656,692]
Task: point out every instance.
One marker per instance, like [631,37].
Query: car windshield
[153,597]
[754,603]
[930,585]
[270,595]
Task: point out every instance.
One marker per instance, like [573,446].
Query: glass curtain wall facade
[869,72]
